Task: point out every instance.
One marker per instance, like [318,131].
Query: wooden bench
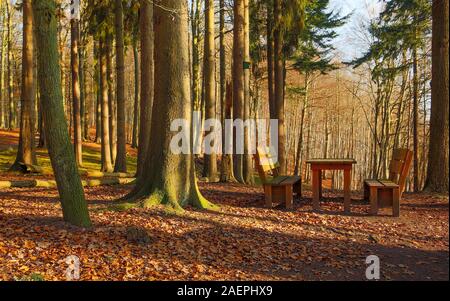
[277,189]
[388,193]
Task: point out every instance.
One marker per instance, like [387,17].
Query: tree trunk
[76,93]
[147,83]
[134,143]
[195,53]
[60,149]
[415,120]
[248,158]
[111,100]
[106,146]
[279,85]
[238,82]
[169,178]
[25,154]
[270,58]
[210,164]
[121,158]
[437,174]
[9,74]
[98,95]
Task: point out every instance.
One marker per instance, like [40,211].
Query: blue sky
[349,44]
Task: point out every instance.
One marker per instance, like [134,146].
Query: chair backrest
[400,166]
[266,162]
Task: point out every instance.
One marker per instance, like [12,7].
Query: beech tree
[169,178]
[60,149]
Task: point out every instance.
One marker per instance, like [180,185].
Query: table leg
[347,189]
[316,189]
[321,174]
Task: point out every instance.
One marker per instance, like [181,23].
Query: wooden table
[319,165]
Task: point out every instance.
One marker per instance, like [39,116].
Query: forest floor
[244,241]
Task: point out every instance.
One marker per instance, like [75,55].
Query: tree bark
[60,149]
[134,142]
[25,153]
[121,158]
[270,58]
[247,168]
[238,82]
[106,145]
[210,164]
[437,173]
[169,178]
[111,101]
[147,82]
[76,92]
[279,85]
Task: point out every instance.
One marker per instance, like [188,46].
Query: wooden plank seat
[388,193]
[277,189]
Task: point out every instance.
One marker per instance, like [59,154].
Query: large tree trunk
[169,178]
[238,82]
[279,85]
[25,154]
[76,92]
[134,141]
[437,174]
[60,149]
[147,82]
[106,146]
[121,158]
[9,74]
[210,164]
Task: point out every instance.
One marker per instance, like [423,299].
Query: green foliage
[315,41]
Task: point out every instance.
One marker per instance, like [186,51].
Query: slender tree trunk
[169,178]
[106,145]
[238,82]
[60,149]
[121,158]
[3,54]
[98,95]
[9,73]
[195,53]
[111,100]
[415,120]
[76,92]
[25,154]
[437,173]
[210,164]
[279,85]
[270,58]
[83,107]
[147,83]
[134,143]
[248,157]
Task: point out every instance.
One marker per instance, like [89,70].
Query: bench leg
[316,189]
[347,190]
[373,197]
[298,189]
[288,191]
[268,195]
[396,202]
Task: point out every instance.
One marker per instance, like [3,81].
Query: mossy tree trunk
[121,158]
[169,178]
[25,154]
[60,149]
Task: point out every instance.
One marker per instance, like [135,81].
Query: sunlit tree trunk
[111,99]
[25,152]
[210,165]
[247,168]
[134,143]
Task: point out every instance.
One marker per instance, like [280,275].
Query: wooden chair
[277,189]
[387,193]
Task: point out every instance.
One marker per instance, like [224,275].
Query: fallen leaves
[243,242]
